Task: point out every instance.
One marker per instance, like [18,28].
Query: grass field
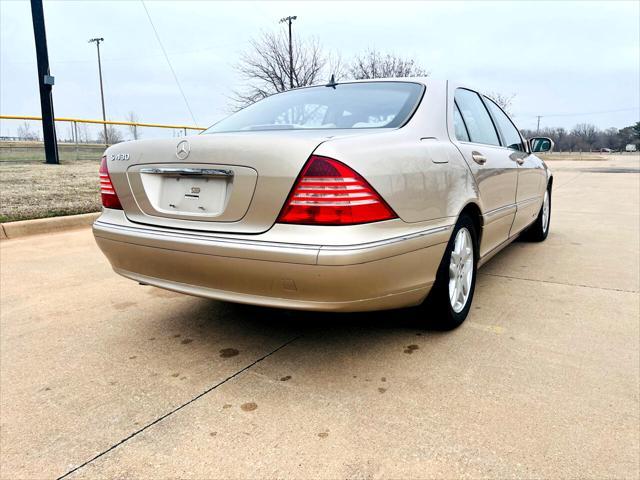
[31,189]
[34,152]
[35,190]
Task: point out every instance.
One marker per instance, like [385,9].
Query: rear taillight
[107,192]
[328,192]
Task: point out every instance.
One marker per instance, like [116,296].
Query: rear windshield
[348,105]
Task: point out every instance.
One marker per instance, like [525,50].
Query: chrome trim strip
[523,203]
[258,243]
[493,212]
[189,172]
[497,213]
[197,236]
[388,241]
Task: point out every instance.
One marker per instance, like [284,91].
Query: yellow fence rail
[103,122]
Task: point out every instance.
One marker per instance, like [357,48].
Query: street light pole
[289,20]
[104,116]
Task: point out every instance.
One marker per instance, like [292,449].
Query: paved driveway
[101,377]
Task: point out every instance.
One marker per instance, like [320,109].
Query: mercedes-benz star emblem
[183,149]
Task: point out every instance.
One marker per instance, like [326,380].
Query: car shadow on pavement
[298,322]
[316,343]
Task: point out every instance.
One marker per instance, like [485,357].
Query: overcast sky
[568,61]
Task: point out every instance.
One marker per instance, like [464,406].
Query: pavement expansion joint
[566,182]
[178,408]
[537,280]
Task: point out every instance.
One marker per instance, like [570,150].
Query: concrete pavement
[103,378]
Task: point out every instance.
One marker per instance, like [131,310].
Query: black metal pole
[45,82]
[290,56]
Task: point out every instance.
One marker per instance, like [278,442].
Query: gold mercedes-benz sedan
[350,196]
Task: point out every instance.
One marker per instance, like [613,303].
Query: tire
[443,312]
[539,229]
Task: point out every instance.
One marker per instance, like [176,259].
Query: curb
[24,228]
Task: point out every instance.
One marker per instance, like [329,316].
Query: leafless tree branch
[374,64]
[264,68]
[503,101]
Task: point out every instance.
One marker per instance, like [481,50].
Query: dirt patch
[229,352]
[410,349]
[249,407]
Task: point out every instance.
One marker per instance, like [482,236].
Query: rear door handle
[478,158]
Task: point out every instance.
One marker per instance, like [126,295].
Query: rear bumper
[382,274]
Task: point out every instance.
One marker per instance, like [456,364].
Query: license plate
[204,196]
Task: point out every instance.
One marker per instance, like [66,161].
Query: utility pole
[538,127]
[45,82]
[289,20]
[104,116]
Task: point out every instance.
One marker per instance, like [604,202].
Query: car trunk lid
[235,182]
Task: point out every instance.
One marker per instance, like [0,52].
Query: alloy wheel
[461,270]
[545,211]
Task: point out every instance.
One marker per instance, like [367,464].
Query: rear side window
[509,132]
[458,125]
[476,118]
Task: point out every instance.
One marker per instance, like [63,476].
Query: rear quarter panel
[421,177]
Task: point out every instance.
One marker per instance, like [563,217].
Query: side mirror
[541,144]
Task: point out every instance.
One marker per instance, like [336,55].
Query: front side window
[509,132]
[476,117]
[347,105]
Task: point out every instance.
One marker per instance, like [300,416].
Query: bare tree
[133,129]
[25,133]
[336,67]
[113,136]
[586,135]
[503,101]
[265,66]
[374,64]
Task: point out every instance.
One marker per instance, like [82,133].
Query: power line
[590,113]
[579,114]
[175,77]
[213,48]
